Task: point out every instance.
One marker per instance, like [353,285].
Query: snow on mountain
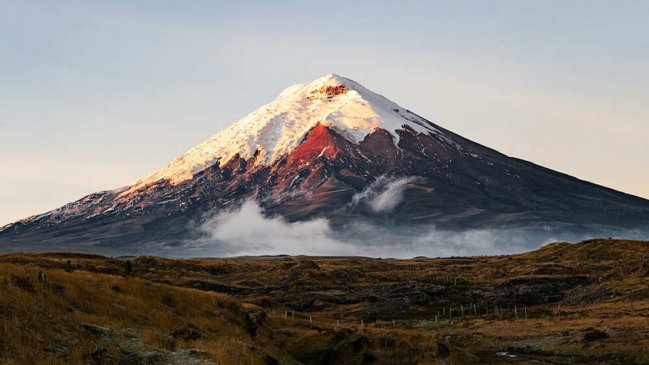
[278,127]
[331,149]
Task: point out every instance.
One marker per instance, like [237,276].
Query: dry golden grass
[42,322]
[46,324]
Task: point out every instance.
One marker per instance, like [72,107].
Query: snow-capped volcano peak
[278,127]
[316,152]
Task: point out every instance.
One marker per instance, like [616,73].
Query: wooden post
[525,312]
[516,312]
[310,320]
[462,310]
[394,324]
[285,314]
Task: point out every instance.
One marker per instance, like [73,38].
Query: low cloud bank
[247,231]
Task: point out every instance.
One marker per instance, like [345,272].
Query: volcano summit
[332,149]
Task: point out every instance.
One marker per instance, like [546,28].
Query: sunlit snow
[278,127]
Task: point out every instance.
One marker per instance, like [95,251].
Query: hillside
[584,303]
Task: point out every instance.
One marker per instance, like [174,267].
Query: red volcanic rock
[310,151]
[327,92]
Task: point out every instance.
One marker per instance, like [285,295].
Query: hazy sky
[96,94]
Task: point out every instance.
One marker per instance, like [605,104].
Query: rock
[178,357]
[537,294]
[95,329]
[586,295]
[118,306]
[56,349]
[538,290]
[187,333]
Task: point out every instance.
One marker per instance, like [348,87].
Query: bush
[594,335]
[22,283]
[128,268]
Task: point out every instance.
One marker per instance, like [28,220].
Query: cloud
[384,194]
[247,231]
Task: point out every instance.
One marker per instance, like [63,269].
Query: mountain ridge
[334,141]
[277,128]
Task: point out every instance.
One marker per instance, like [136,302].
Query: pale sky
[95,94]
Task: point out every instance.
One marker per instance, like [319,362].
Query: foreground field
[585,303]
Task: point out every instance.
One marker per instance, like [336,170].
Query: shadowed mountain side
[362,159]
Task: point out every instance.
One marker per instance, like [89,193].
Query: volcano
[333,149]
